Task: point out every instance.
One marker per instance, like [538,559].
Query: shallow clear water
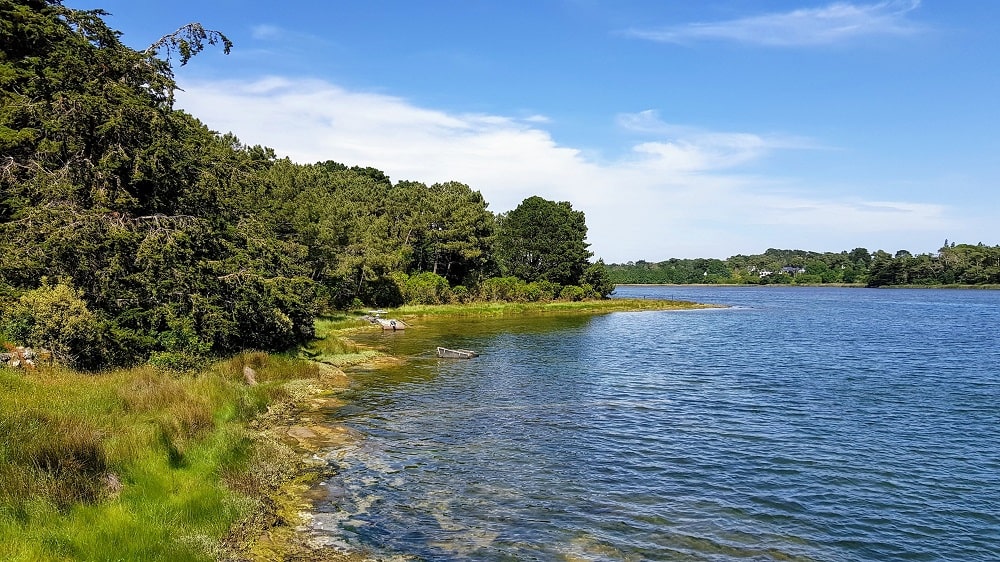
[801,424]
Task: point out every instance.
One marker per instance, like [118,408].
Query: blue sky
[681,129]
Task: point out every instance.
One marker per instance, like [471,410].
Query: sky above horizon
[682,129]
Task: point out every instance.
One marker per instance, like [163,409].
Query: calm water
[802,424]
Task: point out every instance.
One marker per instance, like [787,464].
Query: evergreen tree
[543,240]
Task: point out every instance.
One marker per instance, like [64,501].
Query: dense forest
[131,232]
[964,264]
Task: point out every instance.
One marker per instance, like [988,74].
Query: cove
[800,424]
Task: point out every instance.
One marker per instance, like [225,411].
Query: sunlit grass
[334,324]
[333,345]
[136,464]
[512,308]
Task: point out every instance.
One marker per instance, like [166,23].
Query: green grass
[136,464]
[333,345]
[146,464]
[554,307]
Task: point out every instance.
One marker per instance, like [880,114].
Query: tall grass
[133,465]
[552,307]
[332,347]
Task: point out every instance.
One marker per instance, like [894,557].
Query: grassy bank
[143,464]
[554,307]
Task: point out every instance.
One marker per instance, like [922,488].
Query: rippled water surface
[801,424]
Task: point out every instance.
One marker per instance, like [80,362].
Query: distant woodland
[131,232]
[963,264]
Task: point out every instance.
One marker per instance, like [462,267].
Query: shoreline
[318,443]
[220,462]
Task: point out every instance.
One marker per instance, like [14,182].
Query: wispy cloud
[679,193]
[828,25]
[266,32]
[273,34]
[695,148]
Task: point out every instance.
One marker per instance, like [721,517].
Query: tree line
[964,264]
[130,231]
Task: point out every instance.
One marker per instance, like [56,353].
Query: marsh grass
[338,324]
[553,307]
[137,464]
[333,345]
[148,464]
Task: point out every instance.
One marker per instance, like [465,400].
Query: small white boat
[445,353]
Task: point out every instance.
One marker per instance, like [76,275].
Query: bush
[807,279]
[427,288]
[56,318]
[596,275]
[551,290]
[572,293]
[589,292]
[270,314]
[386,290]
[531,292]
[461,294]
[176,361]
[500,289]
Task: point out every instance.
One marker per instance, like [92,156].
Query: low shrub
[427,288]
[500,289]
[56,318]
[572,293]
[461,294]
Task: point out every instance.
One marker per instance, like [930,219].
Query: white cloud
[266,32]
[677,194]
[648,122]
[835,23]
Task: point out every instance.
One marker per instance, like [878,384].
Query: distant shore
[832,285]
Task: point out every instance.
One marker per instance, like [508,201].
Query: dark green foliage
[190,40]
[597,277]
[543,240]
[533,292]
[144,215]
[500,289]
[461,293]
[452,232]
[572,293]
[963,264]
[673,271]
[172,242]
[427,288]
